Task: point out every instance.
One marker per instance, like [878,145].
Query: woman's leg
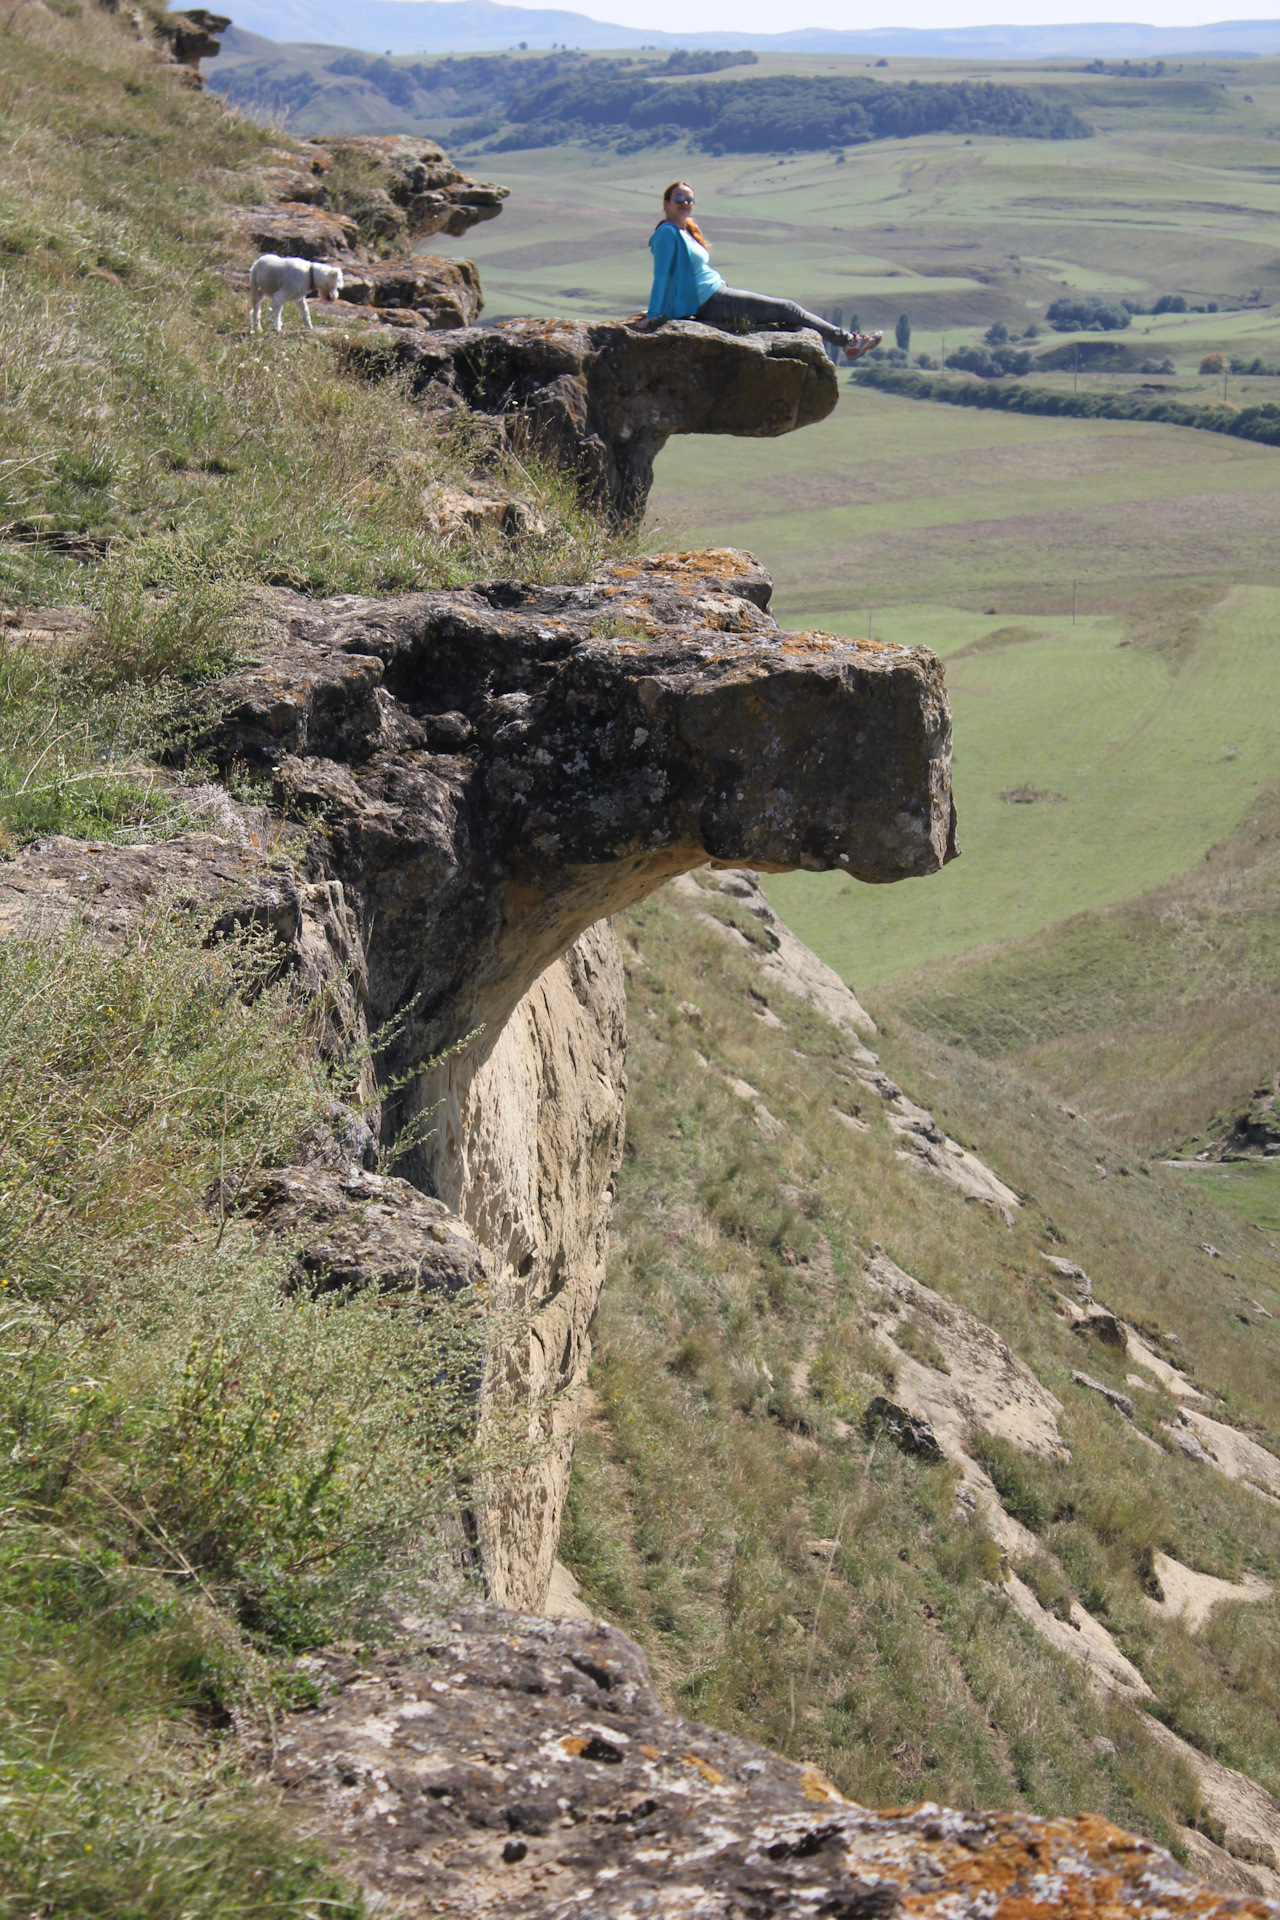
[733,310]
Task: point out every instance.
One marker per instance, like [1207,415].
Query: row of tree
[780,114]
[1249,423]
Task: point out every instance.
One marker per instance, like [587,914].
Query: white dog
[283,280]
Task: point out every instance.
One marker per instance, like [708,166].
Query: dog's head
[328,281]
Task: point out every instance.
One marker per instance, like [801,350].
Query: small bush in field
[1017,1480]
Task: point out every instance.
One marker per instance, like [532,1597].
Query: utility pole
[1226,368]
[1075,385]
[1073,603]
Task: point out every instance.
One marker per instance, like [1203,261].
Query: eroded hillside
[987,1612]
[337,716]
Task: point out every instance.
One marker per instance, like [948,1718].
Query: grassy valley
[1087,993]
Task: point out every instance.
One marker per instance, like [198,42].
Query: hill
[509,101]
[474,26]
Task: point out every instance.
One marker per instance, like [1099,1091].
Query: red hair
[691,225]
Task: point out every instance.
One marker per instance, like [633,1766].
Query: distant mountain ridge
[479,26]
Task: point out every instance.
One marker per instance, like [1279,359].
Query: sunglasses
[682,199]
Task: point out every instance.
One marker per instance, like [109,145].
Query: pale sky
[764,16]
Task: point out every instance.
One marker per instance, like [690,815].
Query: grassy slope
[705,1473]
[1153,1016]
[198,1477]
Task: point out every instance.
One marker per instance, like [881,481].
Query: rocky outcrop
[489,773]
[513,1767]
[411,189]
[356,202]
[358,197]
[604,399]
[1254,1132]
[184,38]
[439,293]
[499,767]
[191,36]
[496,770]
[233,876]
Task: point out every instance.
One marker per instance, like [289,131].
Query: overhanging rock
[604,399]
[500,766]
[494,771]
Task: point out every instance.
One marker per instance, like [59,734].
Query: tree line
[778,114]
[1250,423]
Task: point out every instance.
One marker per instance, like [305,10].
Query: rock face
[604,399]
[526,1148]
[441,293]
[414,190]
[513,1767]
[352,201]
[500,766]
[497,770]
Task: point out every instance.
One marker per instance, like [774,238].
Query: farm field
[1145,727]
[1098,760]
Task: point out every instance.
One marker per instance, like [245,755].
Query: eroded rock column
[500,768]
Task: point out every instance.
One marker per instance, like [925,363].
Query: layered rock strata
[513,1767]
[398,190]
[498,769]
[604,399]
[394,192]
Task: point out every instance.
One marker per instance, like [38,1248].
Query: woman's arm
[663,246]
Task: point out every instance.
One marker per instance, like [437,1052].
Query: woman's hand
[643,324]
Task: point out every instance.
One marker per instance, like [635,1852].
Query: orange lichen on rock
[635,1824]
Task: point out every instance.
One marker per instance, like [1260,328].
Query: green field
[1144,727]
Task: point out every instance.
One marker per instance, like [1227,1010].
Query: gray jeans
[734,311]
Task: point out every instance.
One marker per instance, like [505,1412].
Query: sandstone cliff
[499,769]
[489,774]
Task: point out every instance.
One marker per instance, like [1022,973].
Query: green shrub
[1017,1478]
[200,1469]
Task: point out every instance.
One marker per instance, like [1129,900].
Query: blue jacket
[682,277]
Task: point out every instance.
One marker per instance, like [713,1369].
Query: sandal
[859,343]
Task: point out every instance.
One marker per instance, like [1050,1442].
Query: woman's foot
[856,344]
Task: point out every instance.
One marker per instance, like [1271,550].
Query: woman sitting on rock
[687,287]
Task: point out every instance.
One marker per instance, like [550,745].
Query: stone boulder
[488,1764]
[413,189]
[604,399]
[445,293]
